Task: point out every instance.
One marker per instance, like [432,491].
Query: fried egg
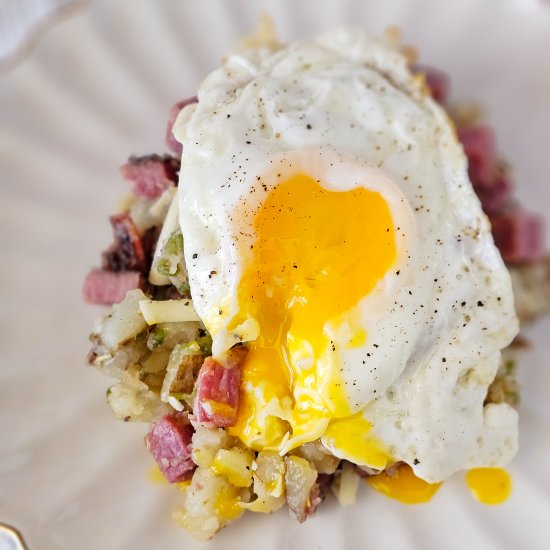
[329,223]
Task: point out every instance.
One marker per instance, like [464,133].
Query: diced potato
[153,368]
[269,468]
[132,361]
[116,363]
[124,322]
[299,480]
[235,464]
[346,484]
[210,503]
[207,442]
[133,401]
[167,311]
[182,369]
[167,335]
[156,362]
[319,456]
[264,505]
[269,483]
[153,381]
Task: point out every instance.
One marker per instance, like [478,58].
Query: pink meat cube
[107,287]
[172,143]
[519,235]
[151,175]
[437,80]
[217,400]
[169,441]
[480,148]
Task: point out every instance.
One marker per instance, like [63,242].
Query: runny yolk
[317,253]
[489,485]
[404,486]
[351,436]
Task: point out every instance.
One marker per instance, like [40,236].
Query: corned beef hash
[315,285]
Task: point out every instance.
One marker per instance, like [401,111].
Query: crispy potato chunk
[182,369]
[235,465]
[299,480]
[211,502]
[207,442]
[318,456]
[124,321]
[133,401]
[269,483]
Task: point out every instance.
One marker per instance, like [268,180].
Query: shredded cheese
[168,311]
[174,403]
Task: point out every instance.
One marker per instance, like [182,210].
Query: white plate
[97,88]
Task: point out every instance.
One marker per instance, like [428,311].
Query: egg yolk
[489,485]
[403,486]
[350,437]
[316,254]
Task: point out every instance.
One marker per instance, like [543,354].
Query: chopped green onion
[205,343]
[156,337]
[174,244]
[168,265]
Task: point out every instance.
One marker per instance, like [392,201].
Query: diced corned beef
[236,356]
[151,175]
[166,292]
[490,180]
[494,196]
[361,473]
[318,493]
[437,80]
[127,252]
[169,441]
[149,239]
[171,293]
[519,235]
[217,386]
[172,143]
[480,148]
[107,287]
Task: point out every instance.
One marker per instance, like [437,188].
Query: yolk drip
[351,437]
[317,254]
[489,485]
[404,486]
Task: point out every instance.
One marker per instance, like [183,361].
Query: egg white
[346,108]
